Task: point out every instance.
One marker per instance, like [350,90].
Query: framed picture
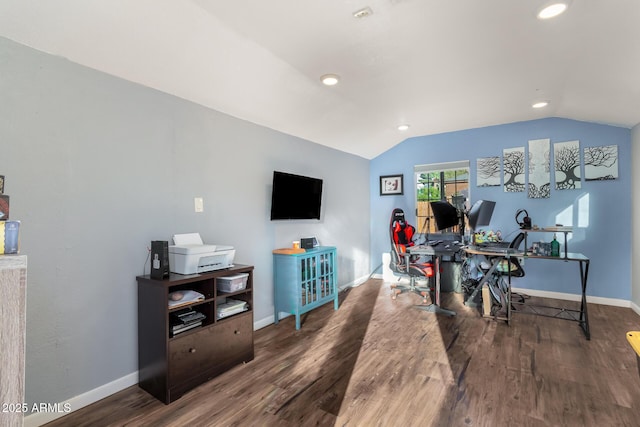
[391,185]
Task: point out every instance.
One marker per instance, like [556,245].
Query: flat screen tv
[295,196]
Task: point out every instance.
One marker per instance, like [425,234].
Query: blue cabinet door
[304,281]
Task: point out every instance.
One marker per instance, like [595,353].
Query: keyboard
[493,245]
[498,249]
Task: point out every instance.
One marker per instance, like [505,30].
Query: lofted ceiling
[438,65]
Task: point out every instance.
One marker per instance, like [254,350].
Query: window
[439,181]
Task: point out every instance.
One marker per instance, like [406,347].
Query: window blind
[435,167]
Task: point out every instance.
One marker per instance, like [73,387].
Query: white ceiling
[439,65]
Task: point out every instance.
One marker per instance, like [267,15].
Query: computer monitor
[445,214]
[480,213]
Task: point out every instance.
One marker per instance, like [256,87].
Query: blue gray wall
[97,167]
[635,227]
[606,239]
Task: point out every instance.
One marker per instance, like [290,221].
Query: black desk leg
[584,317]
[435,307]
[509,291]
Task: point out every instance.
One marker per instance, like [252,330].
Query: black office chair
[516,268]
[401,237]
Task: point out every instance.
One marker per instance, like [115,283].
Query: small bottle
[555,246]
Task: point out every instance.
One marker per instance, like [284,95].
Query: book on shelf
[184,320]
[178,329]
[231,307]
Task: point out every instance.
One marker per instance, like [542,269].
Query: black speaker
[308,242]
[159,259]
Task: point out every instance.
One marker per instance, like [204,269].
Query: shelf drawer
[191,355]
[212,350]
[236,336]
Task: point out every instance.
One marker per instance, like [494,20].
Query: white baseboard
[259,324]
[75,403]
[359,281]
[573,297]
[568,297]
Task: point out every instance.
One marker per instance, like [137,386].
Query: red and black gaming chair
[401,235]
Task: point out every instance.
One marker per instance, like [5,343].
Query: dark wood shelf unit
[169,366]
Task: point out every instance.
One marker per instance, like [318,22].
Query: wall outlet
[199,204]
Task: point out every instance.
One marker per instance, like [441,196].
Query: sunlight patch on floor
[397,383]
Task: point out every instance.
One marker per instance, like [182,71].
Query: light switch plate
[199,204]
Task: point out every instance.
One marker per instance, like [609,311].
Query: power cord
[373,271]
[144,267]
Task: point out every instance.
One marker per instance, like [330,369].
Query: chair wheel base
[424,295]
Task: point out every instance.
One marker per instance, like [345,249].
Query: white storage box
[234,283]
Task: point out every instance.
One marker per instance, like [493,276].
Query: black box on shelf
[159,259]
[308,242]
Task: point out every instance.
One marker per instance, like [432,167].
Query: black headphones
[526,221]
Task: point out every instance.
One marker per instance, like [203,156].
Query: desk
[554,230]
[437,252]
[580,316]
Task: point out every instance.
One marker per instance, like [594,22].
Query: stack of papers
[231,307]
[188,297]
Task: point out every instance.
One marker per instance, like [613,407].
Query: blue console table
[304,281]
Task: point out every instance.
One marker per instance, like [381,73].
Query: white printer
[189,255]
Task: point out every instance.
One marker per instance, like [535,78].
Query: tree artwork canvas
[539,169]
[566,161]
[488,172]
[601,163]
[513,169]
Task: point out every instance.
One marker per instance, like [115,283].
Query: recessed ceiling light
[403,127]
[540,104]
[553,9]
[330,79]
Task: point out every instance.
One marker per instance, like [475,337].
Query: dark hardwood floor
[379,362]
